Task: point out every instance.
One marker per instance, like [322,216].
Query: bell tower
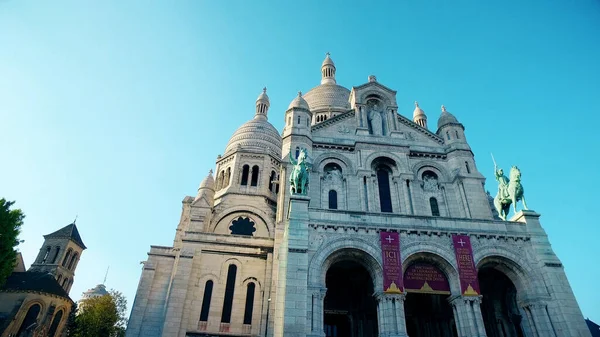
[60,254]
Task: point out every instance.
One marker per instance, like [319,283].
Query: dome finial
[299,93]
[262,105]
[328,70]
[416,104]
[443,109]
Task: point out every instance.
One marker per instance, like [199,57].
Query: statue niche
[375,118]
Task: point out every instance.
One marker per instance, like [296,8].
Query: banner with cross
[469,284]
[392,263]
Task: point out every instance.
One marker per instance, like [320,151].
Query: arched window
[448,135]
[219,181]
[435,210]
[72,263]
[56,254]
[254,181]
[249,303]
[245,171]
[66,260]
[206,301]
[467,167]
[277,185]
[46,254]
[59,278]
[65,282]
[30,320]
[298,119]
[456,132]
[297,152]
[228,300]
[272,181]
[385,197]
[55,322]
[333,199]
[227,177]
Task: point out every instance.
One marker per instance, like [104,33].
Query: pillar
[538,318]
[467,315]
[390,315]
[316,327]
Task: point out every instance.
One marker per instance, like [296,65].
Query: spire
[328,70]
[262,105]
[419,116]
[105,275]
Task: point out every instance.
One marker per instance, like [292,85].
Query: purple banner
[392,264]
[469,285]
[425,278]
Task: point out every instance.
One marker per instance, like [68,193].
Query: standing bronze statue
[510,190]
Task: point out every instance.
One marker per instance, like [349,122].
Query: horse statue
[510,191]
[299,174]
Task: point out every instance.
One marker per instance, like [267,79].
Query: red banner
[469,285]
[425,278]
[392,264]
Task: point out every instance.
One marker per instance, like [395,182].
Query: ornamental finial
[443,108]
[416,104]
[265,90]
[327,54]
[299,93]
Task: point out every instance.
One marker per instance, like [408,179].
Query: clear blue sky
[116,110]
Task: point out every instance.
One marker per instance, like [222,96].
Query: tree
[101,316]
[10,226]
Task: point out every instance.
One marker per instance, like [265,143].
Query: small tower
[419,116]
[297,118]
[60,254]
[328,71]
[262,105]
[206,190]
[450,129]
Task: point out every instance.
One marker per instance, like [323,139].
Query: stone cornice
[332,120]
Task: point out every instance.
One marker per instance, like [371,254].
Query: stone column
[467,315]
[178,293]
[390,315]
[317,316]
[538,317]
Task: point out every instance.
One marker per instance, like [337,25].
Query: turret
[206,190]
[328,71]
[450,129]
[419,116]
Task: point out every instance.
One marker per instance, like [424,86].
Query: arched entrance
[427,311]
[350,308]
[499,308]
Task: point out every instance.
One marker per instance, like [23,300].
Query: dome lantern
[419,116]
[262,105]
[328,71]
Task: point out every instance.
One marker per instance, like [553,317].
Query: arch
[272,178]
[229,293]
[66,259]
[65,282]
[428,165]
[333,202]
[435,208]
[27,324]
[297,152]
[223,220]
[374,157]
[249,305]
[73,258]
[227,177]
[219,181]
[55,322]
[59,278]
[206,298]
[225,267]
[347,247]
[514,266]
[255,171]
[344,162]
[55,255]
[376,93]
[46,254]
[245,172]
[440,255]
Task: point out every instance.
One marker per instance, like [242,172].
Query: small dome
[97,291]
[446,118]
[327,61]
[299,102]
[418,111]
[263,98]
[208,182]
[327,96]
[257,134]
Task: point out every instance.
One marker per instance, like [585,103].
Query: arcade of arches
[353,307]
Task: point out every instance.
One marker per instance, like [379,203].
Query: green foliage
[10,225]
[101,316]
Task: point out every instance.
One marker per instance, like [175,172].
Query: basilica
[354,221]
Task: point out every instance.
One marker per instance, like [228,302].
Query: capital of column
[456,299]
[383,296]
[533,303]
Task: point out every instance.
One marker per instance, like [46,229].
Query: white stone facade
[387,173]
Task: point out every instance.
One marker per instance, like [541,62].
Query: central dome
[257,134]
[327,96]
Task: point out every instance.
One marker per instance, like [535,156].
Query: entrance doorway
[427,311]
[350,308]
[499,308]
[429,315]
